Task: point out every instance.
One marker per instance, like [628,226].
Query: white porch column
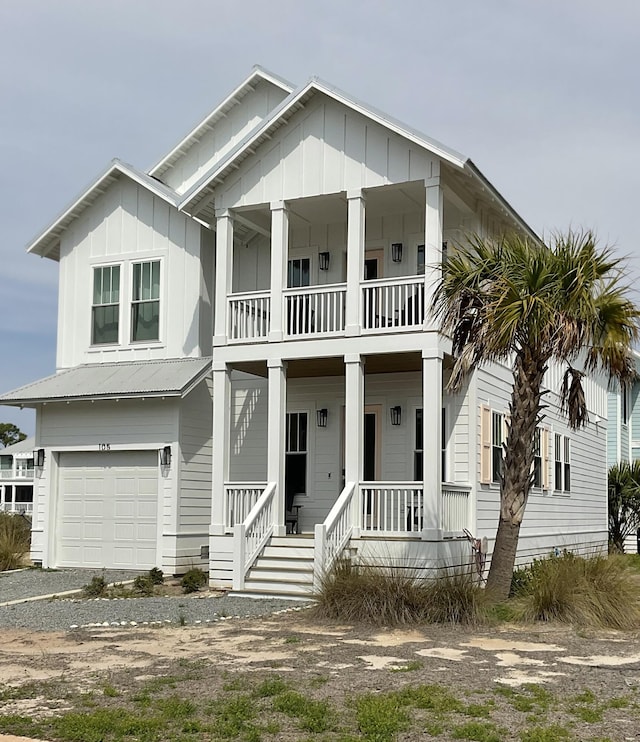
[354,428]
[355,261]
[221,437]
[433,243]
[279,254]
[1,497]
[276,427]
[223,275]
[432,442]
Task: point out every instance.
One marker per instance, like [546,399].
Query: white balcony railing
[393,303]
[315,310]
[24,508]
[239,499]
[249,315]
[24,474]
[455,508]
[392,507]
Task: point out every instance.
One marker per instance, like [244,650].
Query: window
[298,273]
[145,301]
[443,443]
[562,461]
[295,457]
[105,310]
[421,260]
[567,465]
[418,453]
[537,458]
[557,459]
[624,393]
[497,422]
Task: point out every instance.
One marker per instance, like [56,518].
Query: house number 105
[104,446]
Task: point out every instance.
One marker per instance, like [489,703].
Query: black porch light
[396,415]
[165,456]
[323,260]
[321,417]
[396,252]
[38,457]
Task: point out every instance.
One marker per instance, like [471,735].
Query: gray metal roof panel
[25,446]
[172,378]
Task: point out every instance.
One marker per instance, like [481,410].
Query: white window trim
[161,300]
[95,266]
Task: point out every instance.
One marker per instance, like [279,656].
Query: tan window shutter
[545,458]
[485,445]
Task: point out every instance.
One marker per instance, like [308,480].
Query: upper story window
[145,301]
[497,425]
[105,310]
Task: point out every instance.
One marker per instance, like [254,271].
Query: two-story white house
[249,378]
[16,477]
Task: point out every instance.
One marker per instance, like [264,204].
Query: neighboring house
[245,349]
[16,477]
[623,430]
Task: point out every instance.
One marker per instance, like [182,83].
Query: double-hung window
[567,464]
[145,301]
[497,425]
[562,463]
[537,458]
[105,309]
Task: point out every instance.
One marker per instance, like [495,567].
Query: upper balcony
[344,264]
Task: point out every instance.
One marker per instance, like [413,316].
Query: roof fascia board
[191,385]
[116,166]
[289,103]
[91,398]
[256,73]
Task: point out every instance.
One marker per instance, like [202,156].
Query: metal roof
[47,244]
[167,378]
[233,99]
[25,446]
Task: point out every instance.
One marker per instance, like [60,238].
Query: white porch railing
[391,507]
[396,303]
[25,508]
[24,474]
[252,534]
[249,315]
[315,310]
[332,536]
[239,498]
[455,508]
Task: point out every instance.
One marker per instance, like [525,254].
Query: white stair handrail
[252,534]
[332,536]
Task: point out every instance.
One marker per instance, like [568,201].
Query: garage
[107,509]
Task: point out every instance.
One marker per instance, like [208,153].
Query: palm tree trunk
[516,474]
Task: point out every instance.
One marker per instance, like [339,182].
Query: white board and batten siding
[220,138]
[121,440]
[326,148]
[553,520]
[194,496]
[128,224]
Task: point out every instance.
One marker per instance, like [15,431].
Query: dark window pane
[419,430]
[146,321]
[418,471]
[105,325]
[302,435]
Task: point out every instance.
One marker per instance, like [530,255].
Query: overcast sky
[543,95]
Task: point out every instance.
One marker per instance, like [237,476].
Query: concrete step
[265,595]
[290,551]
[277,588]
[280,575]
[298,541]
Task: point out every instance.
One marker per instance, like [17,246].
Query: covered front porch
[360,446]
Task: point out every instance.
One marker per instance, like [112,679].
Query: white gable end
[219,138]
[325,148]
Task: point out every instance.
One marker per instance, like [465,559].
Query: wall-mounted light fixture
[321,417]
[396,415]
[323,260]
[165,456]
[38,457]
[396,252]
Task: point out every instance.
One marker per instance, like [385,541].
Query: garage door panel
[108,509]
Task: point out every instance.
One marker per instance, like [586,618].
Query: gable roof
[121,380]
[47,244]
[25,447]
[233,99]
[281,116]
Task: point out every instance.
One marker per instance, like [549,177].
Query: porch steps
[285,568]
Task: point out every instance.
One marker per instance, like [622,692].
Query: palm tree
[517,301]
[624,503]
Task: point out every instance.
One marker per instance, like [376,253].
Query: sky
[543,96]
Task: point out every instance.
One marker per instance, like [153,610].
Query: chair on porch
[291,517]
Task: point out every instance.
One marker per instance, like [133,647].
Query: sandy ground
[356,659]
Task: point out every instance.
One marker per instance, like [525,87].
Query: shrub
[96,588]
[15,539]
[391,596]
[193,580]
[156,576]
[597,591]
[143,585]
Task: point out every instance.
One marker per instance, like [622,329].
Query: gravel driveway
[61,614]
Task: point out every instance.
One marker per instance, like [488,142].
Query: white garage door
[107,509]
